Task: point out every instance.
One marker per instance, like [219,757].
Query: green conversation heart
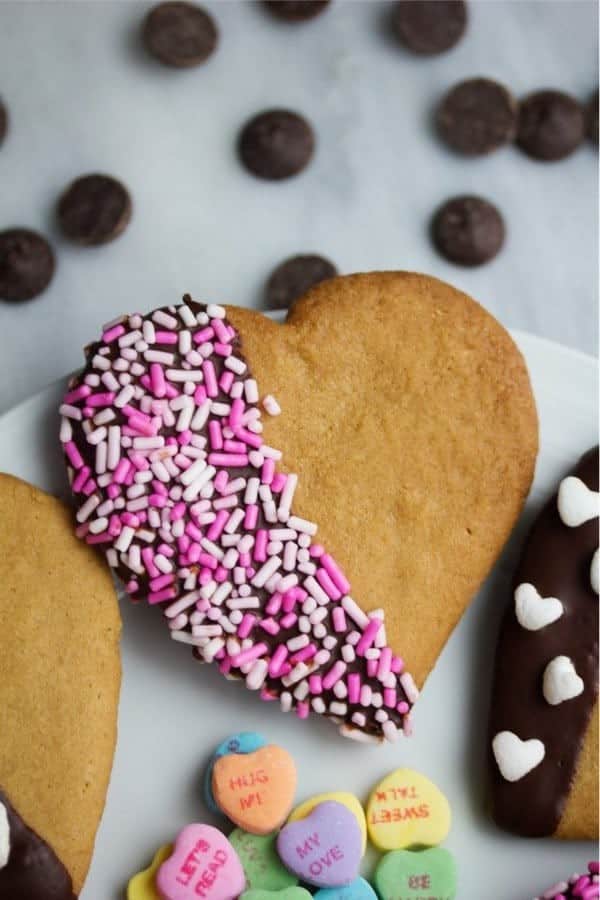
[415,875]
[290,893]
[262,867]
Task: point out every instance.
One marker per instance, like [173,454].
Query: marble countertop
[84,97]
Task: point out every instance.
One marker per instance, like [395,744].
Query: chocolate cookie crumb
[551,125]
[468,230]
[294,276]
[276,144]
[26,264]
[94,210]
[180,34]
[477,116]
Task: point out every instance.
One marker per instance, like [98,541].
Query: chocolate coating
[556,560]
[33,871]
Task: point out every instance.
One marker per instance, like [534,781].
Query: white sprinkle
[104,480]
[304,625]
[124,396]
[207,630]
[101,453]
[192,491]
[129,338]
[319,631]
[338,709]
[159,356]
[99,362]
[318,615]
[109,380]
[266,571]
[112,558]
[286,698]
[187,316]
[163,564]
[303,555]
[161,318]
[287,494]
[355,612]
[308,569]
[213,311]
[221,593]
[372,653]
[125,538]
[282,534]
[184,637]
[183,603]
[321,658]
[148,443]
[211,548]
[114,447]
[183,375]
[257,674]
[271,453]
[299,672]
[235,365]
[144,534]
[381,716]
[302,525]
[243,603]
[289,556]
[96,436]
[104,416]
[185,418]
[390,732]
[99,525]
[161,472]
[297,643]
[137,369]
[315,590]
[87,508]
[256,459]
[348,654]
[409,687]
[251,494]
[271,405]
[318,704]
[330,642]
[66,432]
[212,648]
[251,390]
[340,690]
[120,365]
[70,412]
[200,416]
[185,342]
[202,318]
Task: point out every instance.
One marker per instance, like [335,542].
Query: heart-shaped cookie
[325,848]
[406,875]
[59,688]
[255,790]
[408,439]
[203,864]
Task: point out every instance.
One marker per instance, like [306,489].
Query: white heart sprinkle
[594,573]
[576,502]
[4,836]
[534,611]
[561,681]
[515,758]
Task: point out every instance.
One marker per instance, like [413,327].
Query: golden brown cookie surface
[408,412]
[59,673]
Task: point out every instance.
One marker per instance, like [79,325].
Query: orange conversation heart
[256,790]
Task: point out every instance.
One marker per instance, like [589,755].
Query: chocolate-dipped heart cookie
[407,438]
[59,687]
[544,721]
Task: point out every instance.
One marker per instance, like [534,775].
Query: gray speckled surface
[83,96]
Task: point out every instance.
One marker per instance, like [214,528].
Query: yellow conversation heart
[143,885]
[348,800]
[407,810]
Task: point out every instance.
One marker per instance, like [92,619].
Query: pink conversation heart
[203,865]
[325,848]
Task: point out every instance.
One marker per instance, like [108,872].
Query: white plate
[173,711]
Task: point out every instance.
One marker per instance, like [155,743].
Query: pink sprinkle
[73,455]
[302,710]
[372,668]
[260,545]
[166,337]
[142,425]
[335,573]
[289,620]
[159,488]
[225,665]
[148,560]
[368,636]
[214,435]
[222,349]
[160,596]
[210,379]
[130,519]
[233,460]
[278,483]
[403,707]
[304,654]
[253,440]
[594,868]
[274,604]
[183,543]
[268,470]
[193,531]
[220,331]
[157,380]
[162,581]
[397,665]
[185,437]
[384,663]
[177,512]
[204,335]
[131,586]
[354,686]
[158,500]
[249,655]
[205,576]
[194,551]
[338,617]
[251,517]
[245,560]
[226,380]
[221,575]
[236,412]
[113,491]
[221,479]
[215,530]
[90,486]
[84,390]
[390,697]
[200,395]
[327,584]
[316,551]
[101,399]
[336,672]
[81,478]
[277,660]
[140,462]
[166,550]
[113,333]
[234,446]
[269,625]
[267,696]
[315,684]
[99,538]
[122,470]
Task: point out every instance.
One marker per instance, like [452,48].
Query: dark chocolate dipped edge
[556,560]
[33,871]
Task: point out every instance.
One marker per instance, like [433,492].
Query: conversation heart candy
[348,800]
[259,857]
[244,742]
[203,864]
[410,875]
[256,790]
[407,810]
[358,890]
[143,885]
[325,848]
[290,893]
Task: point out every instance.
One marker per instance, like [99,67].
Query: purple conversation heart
[325,848]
